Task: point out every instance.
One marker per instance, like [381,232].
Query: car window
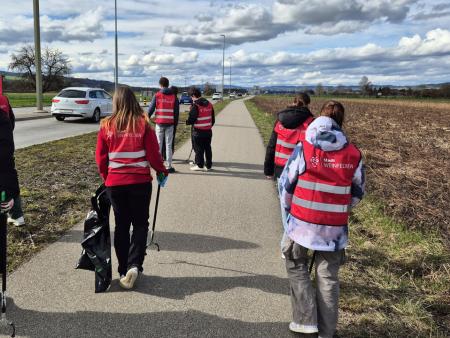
[92,95]
[106,95]
[73,94]
[99,94]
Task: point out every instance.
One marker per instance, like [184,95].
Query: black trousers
[131,204]
[202,148]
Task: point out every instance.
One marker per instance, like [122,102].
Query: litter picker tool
[152,236]
[3,252]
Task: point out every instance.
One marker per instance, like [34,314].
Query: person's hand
[162,179]
[5,207]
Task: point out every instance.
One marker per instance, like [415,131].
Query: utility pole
[230,76]
[37,56]
[116,68]
[223,67]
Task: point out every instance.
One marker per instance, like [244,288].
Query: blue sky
[296,42]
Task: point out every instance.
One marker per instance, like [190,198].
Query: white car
[92,103]
[217,96]
[232,95]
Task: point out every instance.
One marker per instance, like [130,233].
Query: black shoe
[171,170]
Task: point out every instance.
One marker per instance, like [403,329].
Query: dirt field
[407,154]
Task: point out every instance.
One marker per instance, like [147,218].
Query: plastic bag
[96,243]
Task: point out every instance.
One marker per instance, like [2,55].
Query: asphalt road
[219,272]
[38,131]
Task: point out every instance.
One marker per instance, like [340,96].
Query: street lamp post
[116,68]
[230,76]
[37,56]
[223,67]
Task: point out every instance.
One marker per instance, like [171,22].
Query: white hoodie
[323,133]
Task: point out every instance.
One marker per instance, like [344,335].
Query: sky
[267,42]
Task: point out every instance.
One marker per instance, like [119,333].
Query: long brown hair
[126,111]
[335,110]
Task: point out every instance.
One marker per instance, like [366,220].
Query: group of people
[320,177]
[165,108]
[127,147]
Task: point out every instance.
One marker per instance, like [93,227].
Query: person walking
[201,117]
[15,215]
[288,131]
[126,149]
[9,183]
[166,110]
[177,108]
[323,179]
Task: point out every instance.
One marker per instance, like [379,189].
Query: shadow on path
[189,323]
[182,242]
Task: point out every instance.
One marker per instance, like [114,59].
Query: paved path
[219,273]
[29,113]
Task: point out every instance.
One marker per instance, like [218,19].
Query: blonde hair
[126,112]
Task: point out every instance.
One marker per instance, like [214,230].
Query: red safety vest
[126,151]
[323,191]
[4,104]
[287,140]
[204,119]
[165,104]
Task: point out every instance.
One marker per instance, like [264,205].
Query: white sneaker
[16,222]
[197,168]
[294,327]
[127,282]
[191,162]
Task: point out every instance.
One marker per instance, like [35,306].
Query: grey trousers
[314,306]
[164,134]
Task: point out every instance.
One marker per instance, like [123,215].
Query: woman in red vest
[126,149]
[322,181]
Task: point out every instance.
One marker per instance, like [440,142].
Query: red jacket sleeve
[152,151]
[101,155]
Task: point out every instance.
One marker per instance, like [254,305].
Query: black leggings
[131,204]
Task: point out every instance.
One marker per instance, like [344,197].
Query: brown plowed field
[406,147]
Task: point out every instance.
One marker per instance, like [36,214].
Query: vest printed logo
[314,161]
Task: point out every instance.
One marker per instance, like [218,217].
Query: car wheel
[60,118]
[96,115]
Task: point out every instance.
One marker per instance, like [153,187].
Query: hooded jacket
[290,118]
[176,109]
[193,115]
[325,134]
[8,174]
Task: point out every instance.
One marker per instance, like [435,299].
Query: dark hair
[174,90]
[164,82]
[335,110]
[301,100]
[193,91]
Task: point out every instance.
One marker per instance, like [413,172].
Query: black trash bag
[96,244]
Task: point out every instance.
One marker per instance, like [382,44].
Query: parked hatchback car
[217,96]
[92,103]
[185,98]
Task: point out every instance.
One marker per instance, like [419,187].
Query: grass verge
[56,181]
[18,100]
[396,282]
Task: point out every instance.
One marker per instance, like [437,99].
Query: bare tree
[365,85]
[208,89]
[319,89]
[55,65]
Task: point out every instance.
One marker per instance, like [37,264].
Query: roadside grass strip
[396,281]
[57,179]
[18,100]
